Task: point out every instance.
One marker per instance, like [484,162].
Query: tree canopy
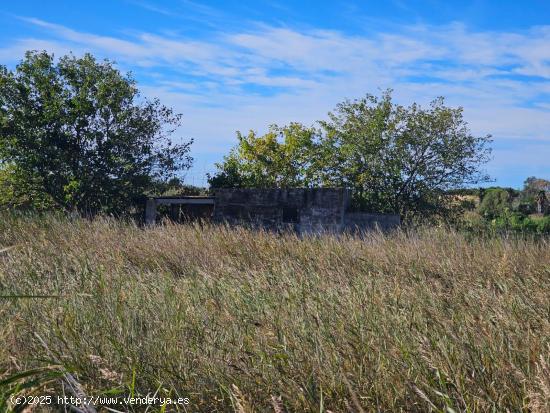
[495,203]
[284,157]
[395,158]
[77,132]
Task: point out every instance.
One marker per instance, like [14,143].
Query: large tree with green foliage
[395,158]
[401,159]
[282,158]
[496,202]
[77,132]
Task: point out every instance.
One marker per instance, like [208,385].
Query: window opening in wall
[290,214]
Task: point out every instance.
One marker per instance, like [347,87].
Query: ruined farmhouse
[303,210]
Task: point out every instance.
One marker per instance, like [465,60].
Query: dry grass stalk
[198,309]
[539,397]
[240,404]
[277,403]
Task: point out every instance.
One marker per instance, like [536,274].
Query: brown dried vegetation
[249,321]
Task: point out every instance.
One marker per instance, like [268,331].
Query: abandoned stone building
[304,210]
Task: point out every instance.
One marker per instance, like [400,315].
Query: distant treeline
[507,209]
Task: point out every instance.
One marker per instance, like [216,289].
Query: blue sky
[239,65]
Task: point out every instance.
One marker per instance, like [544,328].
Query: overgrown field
[246,321]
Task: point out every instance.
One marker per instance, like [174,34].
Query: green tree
[78,132]
[282,158]
[401,159]
[533,185]
[176,187]
[20,191]
[395,158]
[495,204]
[533,189]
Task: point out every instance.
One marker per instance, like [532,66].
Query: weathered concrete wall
[302,209]
[362,221]
[182,208]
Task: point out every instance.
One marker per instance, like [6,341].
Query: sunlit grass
[251,321]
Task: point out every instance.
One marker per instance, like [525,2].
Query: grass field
[245,321]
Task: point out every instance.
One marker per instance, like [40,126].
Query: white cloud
[262,75]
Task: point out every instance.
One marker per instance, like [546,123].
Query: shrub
[496,203]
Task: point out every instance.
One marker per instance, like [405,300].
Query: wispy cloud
[153,7]
[263,74]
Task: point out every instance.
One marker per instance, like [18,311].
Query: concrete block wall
[305,210]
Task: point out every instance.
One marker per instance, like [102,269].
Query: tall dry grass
[250,321]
